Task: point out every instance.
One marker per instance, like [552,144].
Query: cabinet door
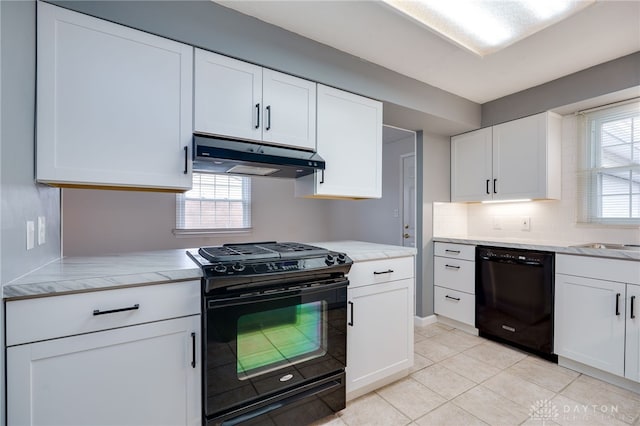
[114,104]
[632,359]
[349,139]
[382,324]
[520,158]
[587,328]
[228,97]
[289,110]
[471,178]
[139,375]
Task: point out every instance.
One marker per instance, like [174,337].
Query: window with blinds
[610,177]
[215,203]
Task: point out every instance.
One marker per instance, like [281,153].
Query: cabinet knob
[406,236]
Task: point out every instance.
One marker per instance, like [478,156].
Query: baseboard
[422,321]
[599,374]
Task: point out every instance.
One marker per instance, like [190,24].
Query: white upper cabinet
[241,100]
[519,159]
[349,129]
[114,104]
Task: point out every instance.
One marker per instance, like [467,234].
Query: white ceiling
[367,29]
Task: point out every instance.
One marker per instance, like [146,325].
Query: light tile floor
[459,379]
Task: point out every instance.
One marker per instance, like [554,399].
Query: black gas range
[274,332]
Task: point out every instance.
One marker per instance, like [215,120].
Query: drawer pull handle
[457,299]
[452,266]
[113,311]
[633,299]
[388,271]
[350,323]
[193,354]
[452,251]
[617,303]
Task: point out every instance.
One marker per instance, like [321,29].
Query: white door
[588,328]
[471,169]
[381,325]
[520,158]
[289,110]
[228,97]
[349,139]
[138,375]
[632,359]
[114,104]
[409,200]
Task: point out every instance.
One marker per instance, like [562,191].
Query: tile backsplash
[549,221]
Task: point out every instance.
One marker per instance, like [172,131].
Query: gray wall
[372,220]
[214,27]
[435,156]
[98,222]
[612,76]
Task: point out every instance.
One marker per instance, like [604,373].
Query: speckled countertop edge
[545,246]
[94,273]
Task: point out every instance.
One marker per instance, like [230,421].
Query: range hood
[214,154]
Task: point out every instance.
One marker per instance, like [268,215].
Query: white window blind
[214,203]
[609,180]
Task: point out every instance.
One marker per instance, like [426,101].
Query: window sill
[194,233]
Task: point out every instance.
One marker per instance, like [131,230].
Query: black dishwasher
[514,297]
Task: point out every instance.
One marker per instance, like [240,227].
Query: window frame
[592,171]
[181,230]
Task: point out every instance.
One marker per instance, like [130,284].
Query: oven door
[263,343]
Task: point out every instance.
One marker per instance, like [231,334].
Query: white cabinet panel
[632,358]
[289,110]
[587,328]
[227,96]
[471,167]
[456,305]
[349,139]
[381,271]
[240,100]
[455,274]
[455,251]
[382,325]
[140,375]
[114,104]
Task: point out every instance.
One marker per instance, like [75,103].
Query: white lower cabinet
[454,282]
[380,327]
[596,313]
[143,374]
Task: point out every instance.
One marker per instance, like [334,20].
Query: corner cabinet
[114,105]
[518,159]
[349,139]
[596,313]
[380,323]
[240,100]
[118,357]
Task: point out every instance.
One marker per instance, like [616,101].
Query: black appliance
[274,333]
[214,154]
[514,297]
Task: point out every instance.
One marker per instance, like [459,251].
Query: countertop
[545,246]
[81,274]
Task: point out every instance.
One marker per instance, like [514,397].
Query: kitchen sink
[609,246]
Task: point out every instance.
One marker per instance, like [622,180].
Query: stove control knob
[342,258]
[220,268]
[238,267]
[329,260]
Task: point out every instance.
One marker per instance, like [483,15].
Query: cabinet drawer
[455,274]
[624,271]
[45,318]
[380,271]
[456,305]
[456,251]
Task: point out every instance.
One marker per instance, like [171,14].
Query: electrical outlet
[31,234]
[525,223]
[396,212]
[497,222]
[42,231]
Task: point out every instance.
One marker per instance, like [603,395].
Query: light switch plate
[42,231]
[31,234]
[497,222]
[525,223]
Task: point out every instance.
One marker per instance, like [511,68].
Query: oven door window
[268,340]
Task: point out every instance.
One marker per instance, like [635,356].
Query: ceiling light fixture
[486,26]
